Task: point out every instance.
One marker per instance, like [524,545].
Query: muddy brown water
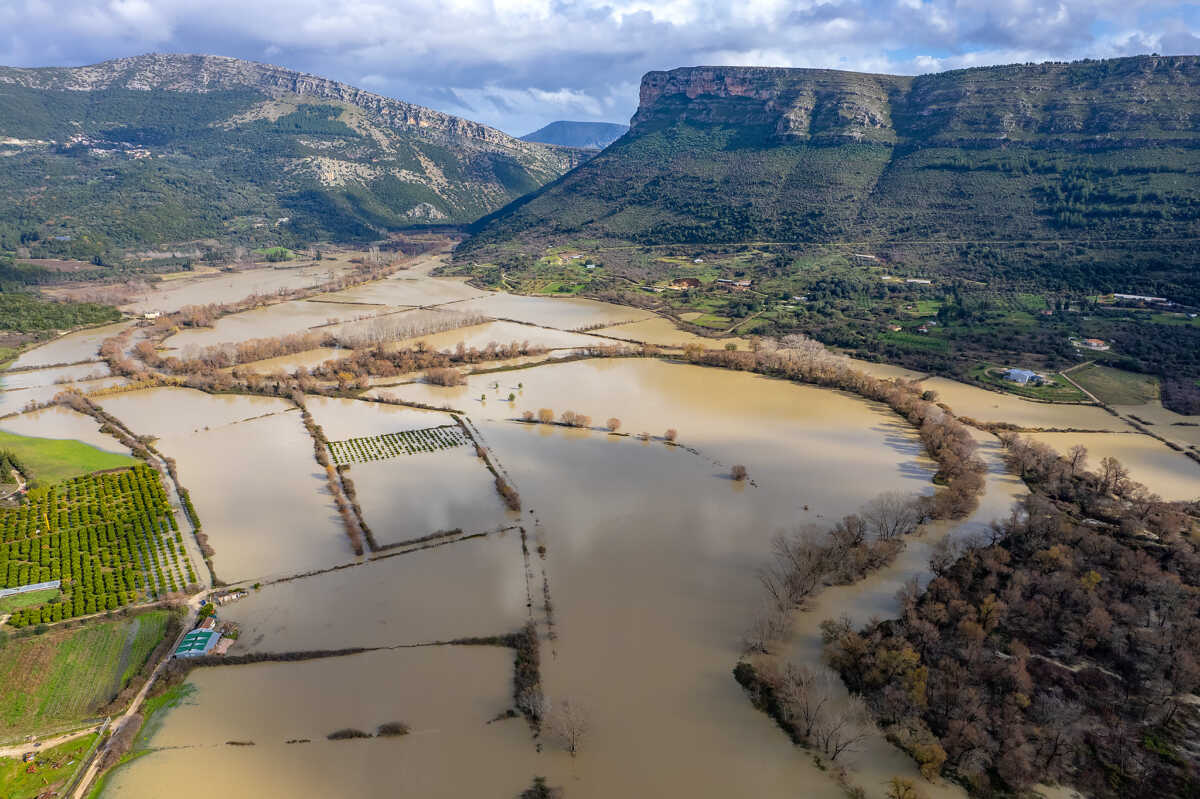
[62,423]
[248,464]
[1170,474]
[231,286]
[83,345]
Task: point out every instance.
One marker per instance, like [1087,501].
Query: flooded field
[1183,430]
[14,401]
[62,423]
[72,348]
[177,411]
[504,333]
[232,286]
[993,406]
[466,588]
[562,313]
[290,363]
[405,288]
[663,333]
[248,464]
[1172,475]
[447,695]
[299,316]
[10,381]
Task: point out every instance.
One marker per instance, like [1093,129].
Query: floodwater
[248,464]
[342,418]
[447,695]
[83,345]
[650,559]
[56,376]
[62,423]
[1170,474]
[983,405]
[562,313]
[885,370]
[403,288]
[176,411]
[663,333]
[1183,430]
[280,319]
[504,333]
[290,363]
[16,400]
[410,496]
[474,587]
[427,492]
[231,286]
[876,760]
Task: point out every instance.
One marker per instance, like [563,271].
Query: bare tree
[1076,458]
[798,563]
[891,515]
[738,472]
[545,416]
[772,624]
[805,696]
[671,434]
[614,424]
[841,730]
[569,722]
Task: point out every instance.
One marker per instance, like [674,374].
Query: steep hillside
[1001,157]
[585,135]
[163,148]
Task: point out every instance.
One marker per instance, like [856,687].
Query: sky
[518,64]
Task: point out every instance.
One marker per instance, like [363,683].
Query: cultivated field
[64,677]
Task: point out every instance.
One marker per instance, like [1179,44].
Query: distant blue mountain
[587,135]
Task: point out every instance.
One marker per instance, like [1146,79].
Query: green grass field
[52,460]
[1061,391]
[64,677]
[10,603]
[53,768]
[1116,387]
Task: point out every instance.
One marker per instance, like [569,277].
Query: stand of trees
[1063,647]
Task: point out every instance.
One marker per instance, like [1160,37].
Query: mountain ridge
[586,135]
[197,146]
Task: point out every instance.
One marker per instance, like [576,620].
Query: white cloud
[518,64]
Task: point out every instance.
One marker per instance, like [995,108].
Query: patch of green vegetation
[1060,391]
[25,313]
[52,460]
[275,254]
[111,539]
[51,769]
[1115,387]
[66,676]
[27,600]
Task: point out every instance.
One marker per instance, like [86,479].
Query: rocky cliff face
[253,142]
[206,73]
[1142,98]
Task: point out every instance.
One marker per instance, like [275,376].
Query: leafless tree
[671,434]
[891,515]
[545,416]
[1076,458]
[738,472]
[614,424]
[841,730]
[770,625]
[798,562]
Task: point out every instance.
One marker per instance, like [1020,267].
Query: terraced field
[393,445]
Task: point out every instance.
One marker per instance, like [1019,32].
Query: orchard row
[111,538]
[391,445]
